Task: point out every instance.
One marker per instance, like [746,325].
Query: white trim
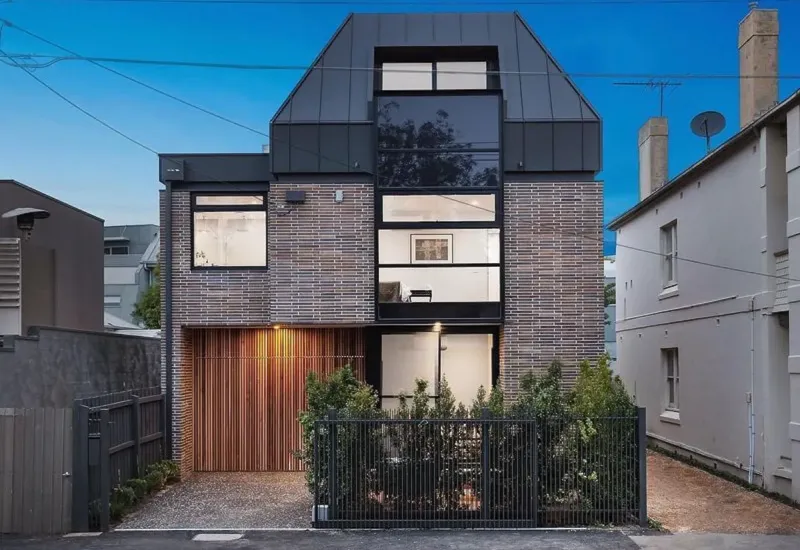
[700,452]
[672,417]
[245,530]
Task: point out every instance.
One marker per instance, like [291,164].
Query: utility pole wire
[429,2]
[557,231]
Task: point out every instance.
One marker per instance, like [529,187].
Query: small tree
[148,309]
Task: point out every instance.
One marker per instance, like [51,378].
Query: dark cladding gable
[325,123]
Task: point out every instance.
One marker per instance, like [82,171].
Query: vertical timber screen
[478,473]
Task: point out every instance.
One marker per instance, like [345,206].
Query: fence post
[105,469]
[136,422]
[641,442]
[80,468]
[485,481]
[534,446]
[333,482]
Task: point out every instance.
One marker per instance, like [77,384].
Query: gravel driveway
[228,500]
[686,499]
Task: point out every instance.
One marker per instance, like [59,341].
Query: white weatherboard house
[714,353]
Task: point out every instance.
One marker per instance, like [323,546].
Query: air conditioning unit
[10,287]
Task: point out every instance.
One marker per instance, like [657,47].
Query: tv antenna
[661,85]
[708,124]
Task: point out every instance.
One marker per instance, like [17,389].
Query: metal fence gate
[480,473]
[116,437]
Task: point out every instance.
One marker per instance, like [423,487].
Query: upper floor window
[229,231]
[669,254]
[436,75]
[115,250]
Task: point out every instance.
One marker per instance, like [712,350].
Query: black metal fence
[116,437]
[481,473]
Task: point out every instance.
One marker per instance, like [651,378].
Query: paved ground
[228,500]
[703,541]
[365,540]
[687,499]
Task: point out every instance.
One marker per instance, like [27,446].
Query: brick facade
[321,255]
[553,277]
[320,271]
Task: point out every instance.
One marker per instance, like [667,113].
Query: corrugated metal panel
[782,282]
[249,385]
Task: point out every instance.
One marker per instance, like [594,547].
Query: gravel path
[228,500]
[687,499]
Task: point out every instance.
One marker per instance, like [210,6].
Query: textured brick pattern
[553,277]
[321,256]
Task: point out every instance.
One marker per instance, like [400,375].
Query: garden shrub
[138,485]
[583,440]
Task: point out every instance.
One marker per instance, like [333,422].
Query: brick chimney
[758,55]
[653,141]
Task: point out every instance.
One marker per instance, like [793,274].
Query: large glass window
[439,75]
[438,122]
[439,284]
[407,76]
[451,169]
[438,246]
[229,231]
[439,208]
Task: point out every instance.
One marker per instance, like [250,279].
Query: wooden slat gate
[249,385]
[35,471]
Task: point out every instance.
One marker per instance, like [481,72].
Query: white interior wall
[448,282]
[230,238]
[467,364]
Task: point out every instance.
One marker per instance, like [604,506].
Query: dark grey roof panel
[337,97]
[365,36]
[446,29]
[419,29]
[534,60]
[475,29]
[335,100]
[391,29]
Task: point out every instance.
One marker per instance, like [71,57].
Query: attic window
[436,75]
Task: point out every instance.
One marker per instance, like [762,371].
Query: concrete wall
[62,262]
[51,367]
[720,219]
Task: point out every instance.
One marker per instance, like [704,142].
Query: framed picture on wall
[432,249]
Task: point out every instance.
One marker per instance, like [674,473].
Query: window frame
[434,62]
[194,208]
[668,234]
[670,355]
[111,248]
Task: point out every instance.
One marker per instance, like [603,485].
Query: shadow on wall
[50,367]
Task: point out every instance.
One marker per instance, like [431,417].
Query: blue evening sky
[49,145]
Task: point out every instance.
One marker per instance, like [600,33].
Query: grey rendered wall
[719,221]
[57,366]
[71,243]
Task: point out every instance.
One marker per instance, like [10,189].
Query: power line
[53,59]
[555,230]
[566,3]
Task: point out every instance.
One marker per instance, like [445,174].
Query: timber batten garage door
[249,386]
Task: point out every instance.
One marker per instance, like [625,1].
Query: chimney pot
[653,155]
[758,57]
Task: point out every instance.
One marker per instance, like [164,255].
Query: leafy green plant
[139,486]
[155,480]
[122,499]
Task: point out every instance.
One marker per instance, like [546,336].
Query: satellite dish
[708,124]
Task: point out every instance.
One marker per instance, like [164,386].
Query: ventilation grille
[10,273]
[781,282]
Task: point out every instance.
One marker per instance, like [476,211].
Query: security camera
[26,218]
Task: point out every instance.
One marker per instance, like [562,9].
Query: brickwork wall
[321,255]
[553,277]
[320,271]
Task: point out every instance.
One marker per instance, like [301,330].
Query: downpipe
[751,424]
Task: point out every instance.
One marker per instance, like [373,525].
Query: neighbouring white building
[713,352]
